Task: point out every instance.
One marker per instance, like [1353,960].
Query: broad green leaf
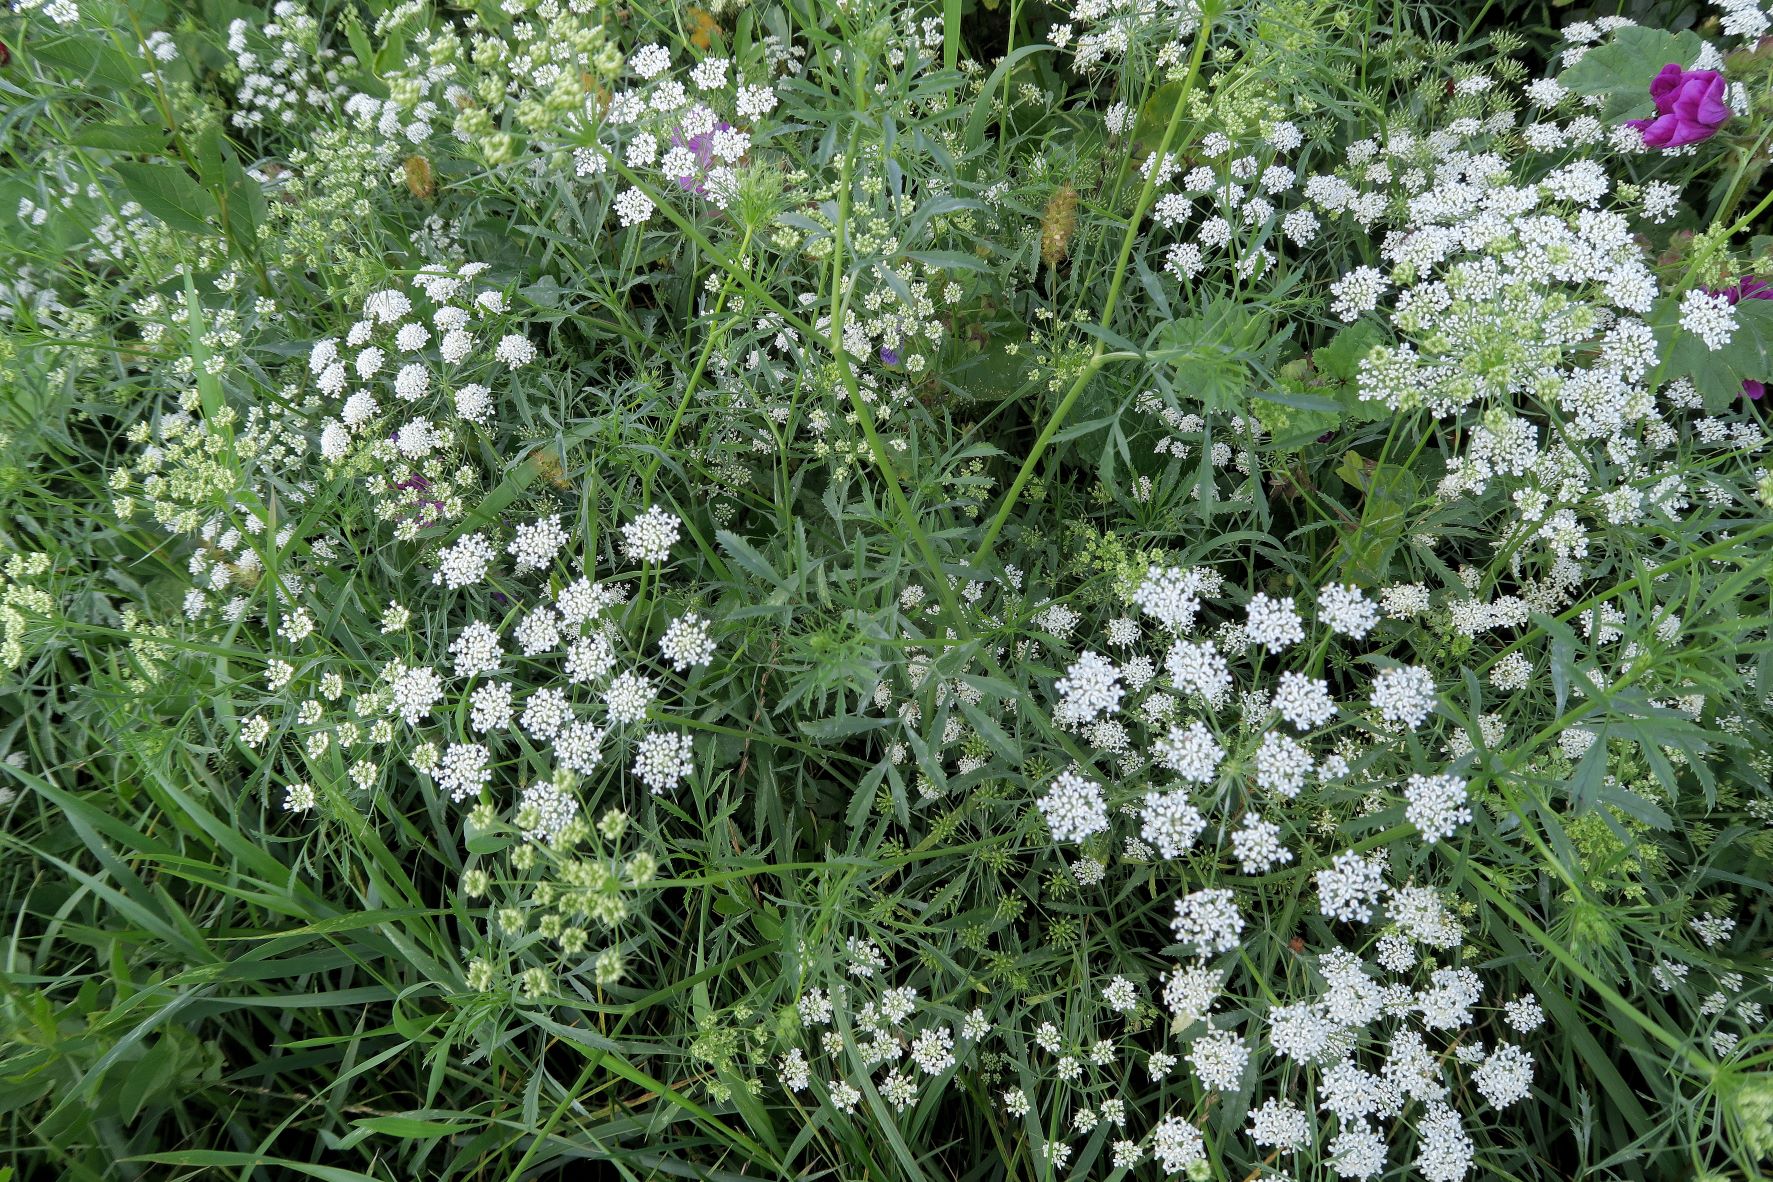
[246,202]
[170,194]
[151,1073]
[141,138]
[1342,357]
[747,556]
[410,1128]
[1390,491]
[1296,413]
[1717,374]
[1217,354]
[87,57]
[1620,71]
[1587,783]
[981,113]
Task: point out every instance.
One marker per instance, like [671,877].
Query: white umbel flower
[1074,808]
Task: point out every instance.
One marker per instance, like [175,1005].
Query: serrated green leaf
[410,1127]
[88,58]
[747,556]
[1342,357]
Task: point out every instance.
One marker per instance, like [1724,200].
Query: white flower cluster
[1364,1043]
[1111,29]
[1367,1051]
[234,487]
[1179,741]
[1508,287]
[1521,291]
[1725,1004]
[286,68]
[1231,444]
[913,1043]
[406,385]
[26,604]
[1186,745]
[1226,205]
[685,132]
[891,328]
[677,135]
[570,654]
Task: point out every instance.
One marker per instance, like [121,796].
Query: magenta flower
[1689,107]
[1749,288]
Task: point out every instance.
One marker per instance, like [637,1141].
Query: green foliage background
[193,987]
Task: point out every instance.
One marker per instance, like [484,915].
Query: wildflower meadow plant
[887,589]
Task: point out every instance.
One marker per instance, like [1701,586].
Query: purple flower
[427,512]
[889,356]
[702,148]
[1749,288]
[1689,107]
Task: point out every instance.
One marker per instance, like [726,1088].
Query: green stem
[689,387]
[1625,585]
[1712,248]
[1734,193]
[1098,355]
[764,297]
[864,417]
[1637,1017]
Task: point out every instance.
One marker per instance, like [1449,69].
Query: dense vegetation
[885,590]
